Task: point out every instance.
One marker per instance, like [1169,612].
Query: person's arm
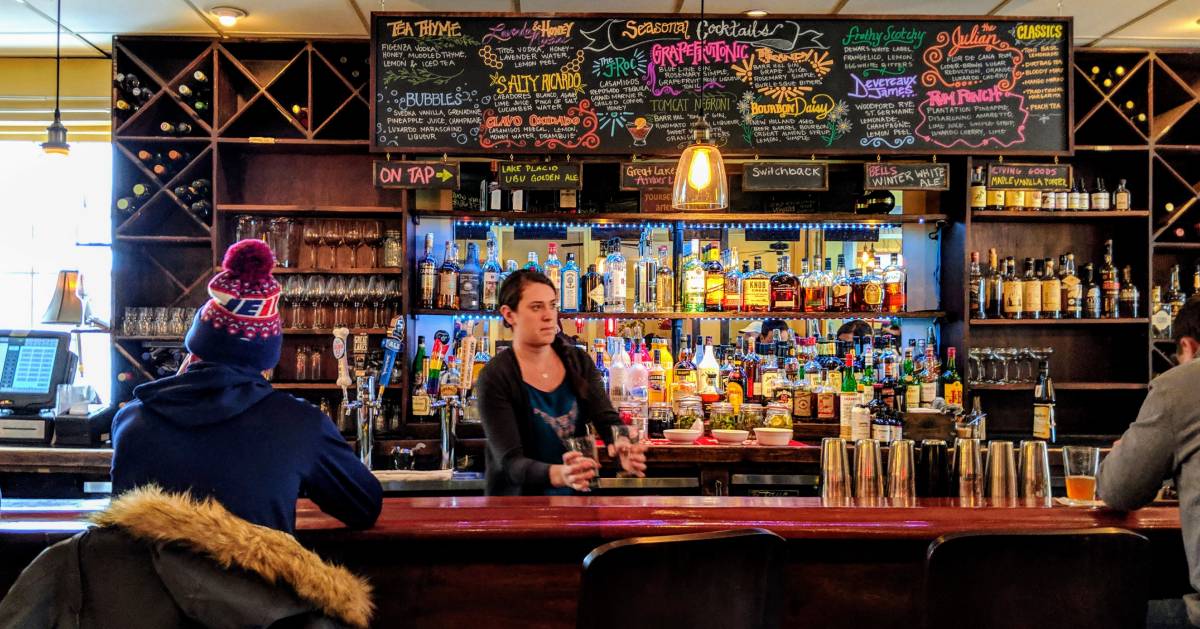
[339,483]
[1133,472]
[495,404]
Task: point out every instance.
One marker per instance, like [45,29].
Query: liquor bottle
[978,190]
[1092,295]
[489,282]
[683,376]
[895,280]
[666,360]
[1033,199]
[977,288]
[1014,200]
[995,285]
[952,386]
[839,298]
[510,267]
[866,381]
[1129,296]
[1085,199]
[427,272]
[468,280]
[1196,282]
[615,279]
[1175,299]
[593,290]
[783,286]
[1044,426]
[735,382]
[618,372]
[665,282]
[1072,288]
[848,397]
[751,362]
[447,278]
[756,289]
[995,199]
[1051,292]
[1100,199]
[637,382]
[929,377]
[816,291]
[1121,196]
[1050,200]
[1013,290]
[733,285]
[1160,314]
[553,266]
[714,282]
[1031,292]
[693,280]
[1062,199]
[769,373]
[645,276]
[569,295]
[708,373]
[202,210]
[1110,285]
[909,381]
[532,263]
[656,381]
[1075,197]
[872,290]
[482,356]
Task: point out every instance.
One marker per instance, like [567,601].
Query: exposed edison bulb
[700,172]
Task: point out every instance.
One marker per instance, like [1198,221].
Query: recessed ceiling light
[754,13]
[228,16]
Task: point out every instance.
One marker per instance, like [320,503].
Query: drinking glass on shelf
[315,295]
[281,236]
[352,234]
[145,321]
[392,301]
[337,290]
[1080,464]
[357,293]
[377,294]
[1043,353]
[372,235]
[1007,355]
[129,323]
[312,239]
[178,321]
[162,325]
[1025,357]
[314,363]
[990,362]
[249,228]
[302,362]
[331,236]
[975,365]
[294,294]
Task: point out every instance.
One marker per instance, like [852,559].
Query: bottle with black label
[977,289]
[427,274]
[1110,285]
[1044,425]
[1130,295]
[1092,302]
[593,290]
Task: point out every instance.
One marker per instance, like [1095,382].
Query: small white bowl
[679,435]
[730,436]
[773,436]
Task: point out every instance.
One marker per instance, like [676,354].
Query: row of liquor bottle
[710,280]
[133,93]
[1078,197]
[1164,307]
[1045,291]
[194,195]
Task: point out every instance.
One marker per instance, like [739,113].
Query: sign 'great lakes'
[785,85]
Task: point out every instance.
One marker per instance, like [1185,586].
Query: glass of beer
[1080,463]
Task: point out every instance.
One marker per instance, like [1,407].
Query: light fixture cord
[703,52]
[58,61]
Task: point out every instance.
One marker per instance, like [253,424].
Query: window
[55,215]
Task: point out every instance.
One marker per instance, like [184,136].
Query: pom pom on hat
[249,260]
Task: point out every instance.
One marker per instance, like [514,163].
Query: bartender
[537,395]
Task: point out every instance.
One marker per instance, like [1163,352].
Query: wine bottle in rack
[301,114]
[175,128]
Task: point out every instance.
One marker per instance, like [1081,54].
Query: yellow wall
[27,99]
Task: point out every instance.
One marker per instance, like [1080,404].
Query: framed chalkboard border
[1069,65]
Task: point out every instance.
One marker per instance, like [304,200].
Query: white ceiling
[27,27]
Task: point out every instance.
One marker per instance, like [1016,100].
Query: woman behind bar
[538,394]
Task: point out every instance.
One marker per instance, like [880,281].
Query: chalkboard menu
[897,176]
[785,85]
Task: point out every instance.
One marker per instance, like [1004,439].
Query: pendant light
[700,182]
[56,133]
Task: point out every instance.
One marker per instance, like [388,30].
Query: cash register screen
[27,365]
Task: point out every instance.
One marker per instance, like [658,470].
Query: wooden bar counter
[515,561]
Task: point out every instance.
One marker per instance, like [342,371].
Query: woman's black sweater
[508,418]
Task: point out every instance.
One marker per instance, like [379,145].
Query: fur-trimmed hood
[207,528]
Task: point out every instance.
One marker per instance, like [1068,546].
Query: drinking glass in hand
[1081,463]
[587,447]
[624,438]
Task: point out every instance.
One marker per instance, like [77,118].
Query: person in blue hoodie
[217,429]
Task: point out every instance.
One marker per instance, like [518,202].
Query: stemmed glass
[312,238]
[315,292]
[358,295]
[337,291]
[1007,355]
[1025,357]
[392,299]
[372,235]
[988,356]
[975,365]
[352,234]
[1042,353]
[293,295]
[331,235]
[377,293]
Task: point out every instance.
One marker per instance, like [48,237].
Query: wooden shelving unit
[716,316]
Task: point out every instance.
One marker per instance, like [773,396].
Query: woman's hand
[575,472]
[632,457]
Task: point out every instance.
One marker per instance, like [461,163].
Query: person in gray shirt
[1164,442]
